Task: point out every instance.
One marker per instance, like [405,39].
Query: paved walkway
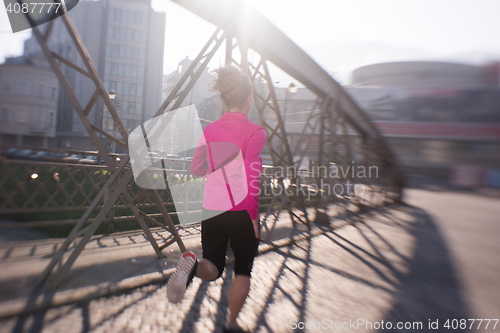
[433,260]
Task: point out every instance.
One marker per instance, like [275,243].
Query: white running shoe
[180,279]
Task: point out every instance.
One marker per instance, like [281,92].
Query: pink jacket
[228,152]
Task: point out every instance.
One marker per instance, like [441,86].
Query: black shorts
[235,228]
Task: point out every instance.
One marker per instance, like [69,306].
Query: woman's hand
[255,223]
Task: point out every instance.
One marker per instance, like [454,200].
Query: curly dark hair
[233,86]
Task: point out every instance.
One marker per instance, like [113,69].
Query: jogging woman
[229,156]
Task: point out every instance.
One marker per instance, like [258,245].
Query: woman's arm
[199,164]
[253,169]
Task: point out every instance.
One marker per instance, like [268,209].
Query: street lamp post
[292,88]
[111,224]
[112,96]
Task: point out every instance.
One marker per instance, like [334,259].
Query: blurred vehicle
[9,153]
[152,154]
[54,157]
[91,160]
[187,164]
[73,158]
[173,164]
[156,159]
[161,153]
[24,154]
[39,155]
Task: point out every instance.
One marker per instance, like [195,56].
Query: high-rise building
[125,40]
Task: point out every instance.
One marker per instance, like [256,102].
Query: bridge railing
[47,194]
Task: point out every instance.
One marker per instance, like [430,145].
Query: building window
[130,125]
[122,52]
[131,18]
[138,109]
[142,54]
[126,89]
[114,69]
[135,53]
[112,86]
[5,115]
[133,73]
[53,93]
[118,15]
[126,107]
[106,86]
[39,118]
[137,35]
[40,90]
[119,88]
[128,54]
[141,72]
[130,34]
[138,18]
[22,116]
[109,49]
[139,90]
[116,51]
[52,119]
[24,88]
[133,89]
[7,87]
[127,70]
[121,69]
[132,107]
[107,68]
[116,32]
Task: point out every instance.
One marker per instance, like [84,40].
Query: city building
[125,40]
[28,102]
[440,119]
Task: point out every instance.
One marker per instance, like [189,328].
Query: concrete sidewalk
[109,264]
[435,260]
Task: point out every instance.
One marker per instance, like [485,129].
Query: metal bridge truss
[342,130]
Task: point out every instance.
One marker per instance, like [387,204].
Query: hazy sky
[342,35]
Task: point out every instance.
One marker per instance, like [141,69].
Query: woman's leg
[207,270]
[238,293]
[214,245]
[245,245]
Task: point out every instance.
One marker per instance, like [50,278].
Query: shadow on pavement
[431,291]
[427,291]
